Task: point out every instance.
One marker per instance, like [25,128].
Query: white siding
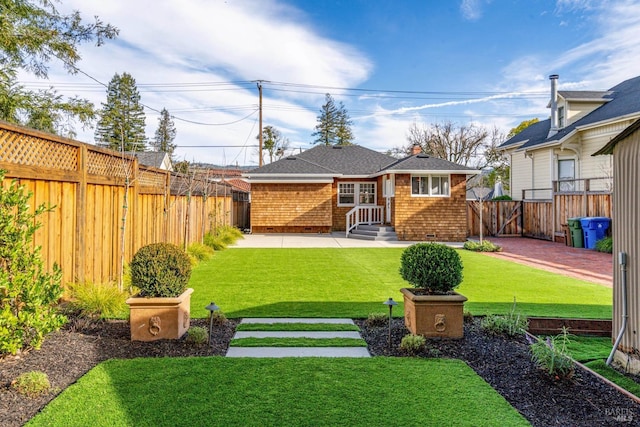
[520,174]
[542,173]
[577,110]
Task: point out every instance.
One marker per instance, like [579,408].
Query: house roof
[326,162]
[622,100]
[154,159]
[425,163]
[239,184]
[585,95]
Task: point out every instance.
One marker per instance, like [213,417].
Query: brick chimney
[416,149]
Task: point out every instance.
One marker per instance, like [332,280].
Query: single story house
[337,188]
[559,149]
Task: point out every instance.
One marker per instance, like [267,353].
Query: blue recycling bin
[594,228]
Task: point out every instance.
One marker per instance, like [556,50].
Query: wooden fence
[541,219]
[107,205]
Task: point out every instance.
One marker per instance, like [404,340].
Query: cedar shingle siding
[291,208]
[431,218]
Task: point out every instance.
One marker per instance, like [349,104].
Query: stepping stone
[297,334]
[297,351]
[296,320]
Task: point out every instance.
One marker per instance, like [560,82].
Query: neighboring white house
[156,159]
[561,147]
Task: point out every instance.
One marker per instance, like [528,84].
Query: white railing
[363,215]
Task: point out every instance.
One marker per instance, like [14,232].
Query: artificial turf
[353,282]
[297,342]
[290,391]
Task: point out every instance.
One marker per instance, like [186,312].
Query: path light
[390,302]
[211,308]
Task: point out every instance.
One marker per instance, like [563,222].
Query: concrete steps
[297,351]
[374,232]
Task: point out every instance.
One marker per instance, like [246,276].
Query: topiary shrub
[433,267]
[160,270]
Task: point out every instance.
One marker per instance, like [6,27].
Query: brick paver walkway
[584,264]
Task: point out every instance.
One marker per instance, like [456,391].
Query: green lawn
[354,282]
[215,391]
[279,327]
[298,342]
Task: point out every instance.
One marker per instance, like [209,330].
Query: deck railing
[363,215]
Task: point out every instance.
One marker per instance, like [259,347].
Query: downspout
[622,260]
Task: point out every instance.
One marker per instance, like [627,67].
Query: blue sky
[391,63]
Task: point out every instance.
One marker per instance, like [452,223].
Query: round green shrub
[160,270]
[32,383]
[197,335]
[431,266]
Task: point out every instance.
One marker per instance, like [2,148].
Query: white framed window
[430,185]
[365,191]
[567,174]
[560,117]
[346,193]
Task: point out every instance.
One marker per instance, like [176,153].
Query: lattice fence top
[33,151]
[151,178]
[108,165]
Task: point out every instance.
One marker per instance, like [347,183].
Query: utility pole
[260,134]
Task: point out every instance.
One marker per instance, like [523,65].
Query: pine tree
[165,134]
[122,120]
[334,124]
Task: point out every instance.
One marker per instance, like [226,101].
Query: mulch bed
[504,363]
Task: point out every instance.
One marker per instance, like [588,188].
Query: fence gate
[499,218]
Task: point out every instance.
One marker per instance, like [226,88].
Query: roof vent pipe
[554,105]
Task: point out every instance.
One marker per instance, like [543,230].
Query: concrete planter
[434,315]
[159,318]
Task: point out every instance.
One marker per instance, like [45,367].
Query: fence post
[81,215]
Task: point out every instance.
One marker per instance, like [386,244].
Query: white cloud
[471,9]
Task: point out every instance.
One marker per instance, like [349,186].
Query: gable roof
[622,100]
[156,159]
[424,163]
[323,163]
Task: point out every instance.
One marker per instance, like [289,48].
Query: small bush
[431,266]
[605,245]
[511,325]
[505,197]
[97,300]
[219,318]
[552,356]
[413,344]
[377,319]
[160,270]
[32,383]
[485,246]
[197,335]
[214,242]
[29,292]
[199,252]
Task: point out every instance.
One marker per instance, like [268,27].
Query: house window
[567,174]
[367,194]
[430,185]
[560,117]
[347,191]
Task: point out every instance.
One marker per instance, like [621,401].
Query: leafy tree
[273,143]
[165,134]
[122,121]
[28,294]
[334,124]
[462,144]
[522,126]
[33,34]
[182,167]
